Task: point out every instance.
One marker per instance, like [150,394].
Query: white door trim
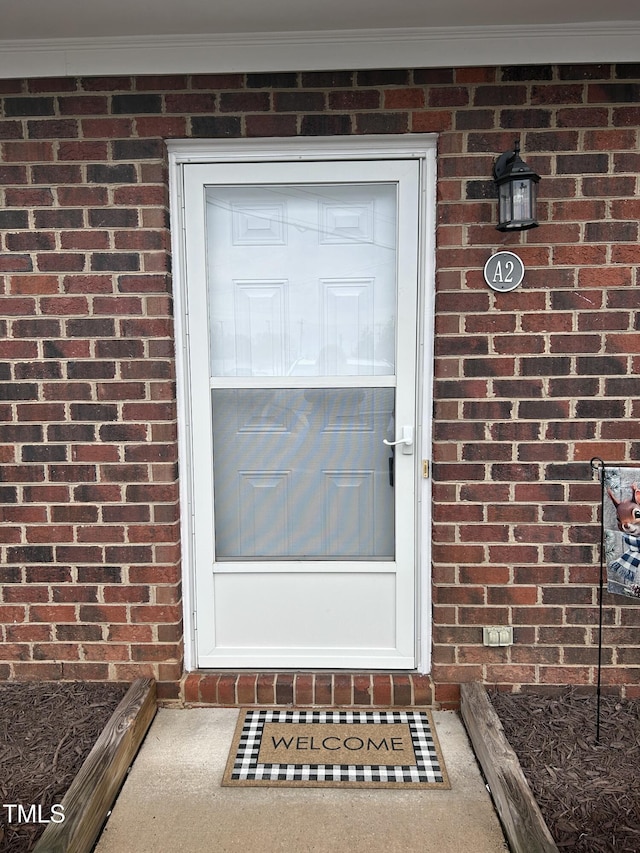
[418,146]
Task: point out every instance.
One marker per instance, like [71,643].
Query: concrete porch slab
[172,801]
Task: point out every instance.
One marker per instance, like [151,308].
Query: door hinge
[425,469]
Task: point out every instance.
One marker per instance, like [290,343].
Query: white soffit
[424,47]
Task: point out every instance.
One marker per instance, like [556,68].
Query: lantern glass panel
[534,199]
[521,200]
[505,203]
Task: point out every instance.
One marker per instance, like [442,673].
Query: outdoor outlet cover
[497,635]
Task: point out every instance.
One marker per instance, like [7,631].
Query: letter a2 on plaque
[504,271]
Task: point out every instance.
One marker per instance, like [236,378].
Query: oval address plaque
[504,271]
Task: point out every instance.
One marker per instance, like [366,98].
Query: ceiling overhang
[317,50]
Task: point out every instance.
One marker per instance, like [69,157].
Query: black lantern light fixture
[517,192]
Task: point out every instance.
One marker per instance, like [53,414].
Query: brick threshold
[312,689]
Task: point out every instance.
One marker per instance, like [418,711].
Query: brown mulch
[47,729]
[588,792]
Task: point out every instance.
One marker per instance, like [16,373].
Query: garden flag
[621,523]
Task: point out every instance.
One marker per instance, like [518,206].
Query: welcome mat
[350,749]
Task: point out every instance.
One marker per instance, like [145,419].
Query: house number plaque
[504,271]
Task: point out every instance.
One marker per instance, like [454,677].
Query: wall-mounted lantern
[517,192]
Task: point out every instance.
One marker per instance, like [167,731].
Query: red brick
[168,126]
[56,651]
[401,690]
[432,121]
[208,688]
[190,686]
[41,671]
[104,613]
[28,152]
[18,594]
[284,689]
[342,690]
[54,613]
[270,125]
[246,689]
[303,689]
[74,594]
[107,128]
[27,632]
[126,593]
[16,263]
[152,652]
[382,690]
[422,689]
[323,689]
[266,692]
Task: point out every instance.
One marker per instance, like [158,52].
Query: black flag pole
[598,465]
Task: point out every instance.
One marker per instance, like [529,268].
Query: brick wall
[529,385]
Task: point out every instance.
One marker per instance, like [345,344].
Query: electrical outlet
[497,635]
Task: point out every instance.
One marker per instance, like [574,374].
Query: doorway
[302,351]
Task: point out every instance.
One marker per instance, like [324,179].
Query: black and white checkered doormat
[251,760]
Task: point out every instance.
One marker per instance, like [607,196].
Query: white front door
[302,287]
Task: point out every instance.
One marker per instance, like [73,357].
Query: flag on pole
[621,523]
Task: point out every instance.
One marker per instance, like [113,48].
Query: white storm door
[302,291]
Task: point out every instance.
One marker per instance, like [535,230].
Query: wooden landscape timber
[521,817]
[94,789]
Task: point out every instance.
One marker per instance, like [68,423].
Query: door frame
[414,146]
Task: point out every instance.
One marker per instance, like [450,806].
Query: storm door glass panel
[302,280]
[303,474]
[302,320]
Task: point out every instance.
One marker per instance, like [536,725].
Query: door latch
[406,440]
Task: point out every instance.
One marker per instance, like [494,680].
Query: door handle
[406,440]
